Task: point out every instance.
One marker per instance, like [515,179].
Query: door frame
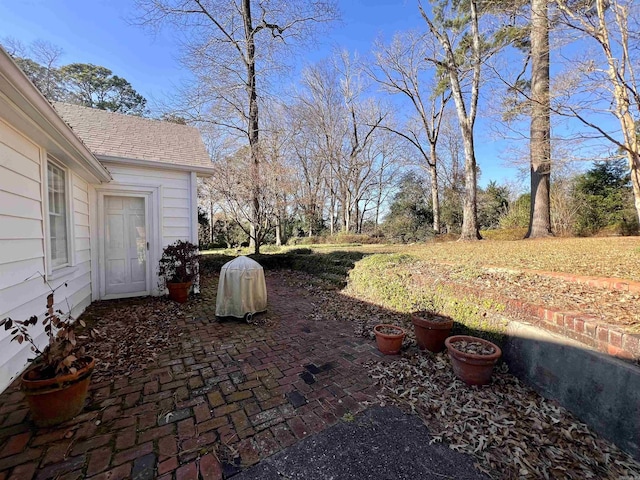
[151,196]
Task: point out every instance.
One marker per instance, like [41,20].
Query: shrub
[301,251]
[179,263]
[390,280]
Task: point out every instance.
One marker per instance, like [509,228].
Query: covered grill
[242,290]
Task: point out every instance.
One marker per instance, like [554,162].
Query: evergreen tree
[605,198]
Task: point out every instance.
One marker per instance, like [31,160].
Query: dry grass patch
[603,257]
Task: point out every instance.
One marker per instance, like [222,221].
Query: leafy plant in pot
[56,385]
[179,267]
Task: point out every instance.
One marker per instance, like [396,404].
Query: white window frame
[57,271]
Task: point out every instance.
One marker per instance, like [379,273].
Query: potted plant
[56,385]
[472,358]
[389,338]
[179,269]
[431,330]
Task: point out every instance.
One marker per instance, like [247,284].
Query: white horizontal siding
[14,161]
[176,197]
[17,206]
[16,184]
[21,240]
[19,250]
[22,247]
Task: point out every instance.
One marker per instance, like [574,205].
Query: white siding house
[87,198]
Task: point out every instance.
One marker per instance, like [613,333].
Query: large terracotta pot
[473,369]
[431,331]
[389,343]
[56,400]
[179,292]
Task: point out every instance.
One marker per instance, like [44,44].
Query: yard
[177,393]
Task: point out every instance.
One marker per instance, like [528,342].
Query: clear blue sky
[98,32]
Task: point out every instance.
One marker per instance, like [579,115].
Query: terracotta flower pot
[56,400]
[431,332]
[179,292]
[389,338]
[471,368]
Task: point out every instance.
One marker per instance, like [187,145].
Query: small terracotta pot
[431,334]
[389,343]
[179,292]
[471,368]
[56,400]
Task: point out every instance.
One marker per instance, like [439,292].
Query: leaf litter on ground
[510,430]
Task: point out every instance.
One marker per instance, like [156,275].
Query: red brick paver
[224,392]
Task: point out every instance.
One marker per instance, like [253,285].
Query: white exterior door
[125,246]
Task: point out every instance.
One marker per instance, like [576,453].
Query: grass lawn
[603,256]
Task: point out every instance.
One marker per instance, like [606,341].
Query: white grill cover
[241,288]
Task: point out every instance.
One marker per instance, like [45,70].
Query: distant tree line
[599,200]
[80,83]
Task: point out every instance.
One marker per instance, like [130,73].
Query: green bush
[270,249]
[605,198]
[518,213]
[350,239]
[301,251]
[332,267]
[393,281]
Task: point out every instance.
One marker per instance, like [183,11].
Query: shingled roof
[117,135]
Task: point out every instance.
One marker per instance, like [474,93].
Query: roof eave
[201,171]
[36,110]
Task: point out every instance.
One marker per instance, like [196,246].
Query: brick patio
[224,396]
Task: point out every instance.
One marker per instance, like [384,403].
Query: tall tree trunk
[435,201]
[470,229]
[634,165]
[211,221]
[253,124]
[278,230]
[540,143]
[466,118]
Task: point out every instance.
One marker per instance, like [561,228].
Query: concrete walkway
[223,397]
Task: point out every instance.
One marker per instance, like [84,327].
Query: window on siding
[58,215]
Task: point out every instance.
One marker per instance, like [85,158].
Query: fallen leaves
[135,332]
[512,431]
[476,348]
[613,307]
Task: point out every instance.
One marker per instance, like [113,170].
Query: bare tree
[232,188]
[231,45]
[39,61]
[451,172]
[323,118]
[363,118]
[48,55]
[312,166]
[403,69]
[344,121]
[613,86]
[459,65]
